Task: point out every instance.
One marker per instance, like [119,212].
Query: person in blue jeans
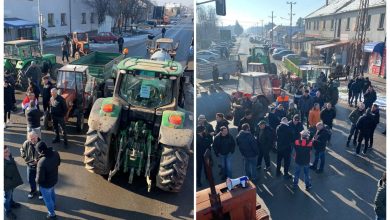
[320,140]
[47,176]
[302,148]
[247,145]
[12,179]
[224,147]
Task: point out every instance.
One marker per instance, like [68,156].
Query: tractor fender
[22,64]
[105,121]
[175,135]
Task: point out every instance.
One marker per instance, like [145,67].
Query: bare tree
[101,8]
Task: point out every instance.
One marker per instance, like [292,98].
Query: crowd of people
[291,128]
[41,161]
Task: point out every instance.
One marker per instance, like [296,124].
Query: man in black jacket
[12,179]
[296,126]
[284,140]
[224,146]
[47,86]
[265,138]
[58,111]
[350,96]
[302,148]
[360,83]
[202,144]
[376,116]
[221,121]
[47,176]
[370,97]
[353,117]
[120,43]
[33,116]
[320,140]
[366,124]
[366,84]
[355,88]
[9,101]
[30,155]
[305,105]
[328,114]
[247,119]
[246,143]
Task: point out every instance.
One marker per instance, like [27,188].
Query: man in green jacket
[12,179]
[353,117]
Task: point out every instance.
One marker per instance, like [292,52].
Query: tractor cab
[71,83]
[166,45]
[315,75]
[254,84]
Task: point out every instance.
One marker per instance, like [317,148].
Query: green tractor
[260,54]
[19,54]
[141,130]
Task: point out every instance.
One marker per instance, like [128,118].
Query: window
[63,19]
[381,22]
[50,19]
[83,18]
[92,18]
[368,24]
[348,24]
[331,24]
[323,25]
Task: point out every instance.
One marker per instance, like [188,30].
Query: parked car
[277,50]
[207,55]
[104,37]
[279,55]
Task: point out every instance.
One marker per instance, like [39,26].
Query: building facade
[60,17]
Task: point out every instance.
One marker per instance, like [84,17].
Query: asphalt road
[346,189]
[84,195]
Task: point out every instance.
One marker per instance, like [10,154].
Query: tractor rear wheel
[97,152]
[173,168]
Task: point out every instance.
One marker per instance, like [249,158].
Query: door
[339,29]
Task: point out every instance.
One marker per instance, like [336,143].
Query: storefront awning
[374,47]
[18,23]
[324,46]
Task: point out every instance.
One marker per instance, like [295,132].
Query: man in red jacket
[302,158]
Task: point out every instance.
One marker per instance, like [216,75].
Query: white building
[60,17]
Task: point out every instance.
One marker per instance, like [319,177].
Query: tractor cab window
[66,80]
[245,84]
[36,52]
[259,52]
[10,51]
[25,52]
[145,90]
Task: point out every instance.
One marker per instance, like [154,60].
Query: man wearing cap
[296,127]
[221,121]
[247,145]
[208,127]
[302,148]
[202,144]
[265,138]
[284,140]
[47,176]
[320,139]
[58,110]
[224,146]
[354,117]
[247,119]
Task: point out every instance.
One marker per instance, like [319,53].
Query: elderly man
[58,110]
[30,155]
[320,140]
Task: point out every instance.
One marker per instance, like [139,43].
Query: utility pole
[262,29]
[40,20]
[272,28]
[70,16]
[291,14]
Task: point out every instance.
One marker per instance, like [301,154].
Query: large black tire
[173,168]
[97,152]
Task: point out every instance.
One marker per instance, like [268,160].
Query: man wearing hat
[265,138]
[47,176]
[296,126]
[202,144]
[302,147]
[284,140]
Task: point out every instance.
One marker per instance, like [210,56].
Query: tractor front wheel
[173,168]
